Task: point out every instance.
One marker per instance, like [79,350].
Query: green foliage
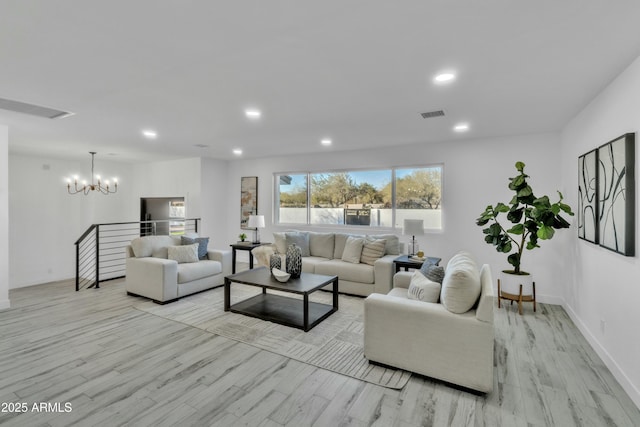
[533,218]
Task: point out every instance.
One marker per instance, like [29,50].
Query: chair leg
[534,297]
[499,294]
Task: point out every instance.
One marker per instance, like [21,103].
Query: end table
[403,261]
[244,246]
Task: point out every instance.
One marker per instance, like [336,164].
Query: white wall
[4,217]
[45,220]
[603,286]
[213,198]
[476,174]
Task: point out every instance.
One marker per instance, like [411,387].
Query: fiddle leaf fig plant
[531,219]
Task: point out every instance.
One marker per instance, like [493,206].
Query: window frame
[392,169]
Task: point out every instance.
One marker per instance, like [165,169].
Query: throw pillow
[461,284]
[321,244]
[353,250]
[280,242]
[203,245]
[432,272]
[392,247]
[423,289]
[372,249]
[299,238]
[184,254]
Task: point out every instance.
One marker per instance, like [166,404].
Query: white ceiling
[353,70]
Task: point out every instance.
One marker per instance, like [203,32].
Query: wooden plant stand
[519,298]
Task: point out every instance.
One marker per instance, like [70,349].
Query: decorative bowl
[281,276]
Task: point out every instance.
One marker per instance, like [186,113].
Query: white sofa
[149,272]
[428,339]
[325,257]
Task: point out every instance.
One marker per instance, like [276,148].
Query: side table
[244,246]
[403,261]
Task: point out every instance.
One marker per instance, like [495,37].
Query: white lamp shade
[413,227]
[256,221]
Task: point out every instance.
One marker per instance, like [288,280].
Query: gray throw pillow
[203,245]
[432,272]
[299,238]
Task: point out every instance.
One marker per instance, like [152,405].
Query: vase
[275,262]
[294,261]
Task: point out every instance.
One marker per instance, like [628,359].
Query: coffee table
[298,313]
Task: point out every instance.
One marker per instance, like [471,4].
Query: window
[372,198]
[291,198]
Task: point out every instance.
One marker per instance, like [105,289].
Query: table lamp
[257,222]
[413,228]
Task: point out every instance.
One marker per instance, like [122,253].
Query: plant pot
[516,287]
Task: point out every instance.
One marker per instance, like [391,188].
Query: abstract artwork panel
[588,196]
[248,200]
[616,195]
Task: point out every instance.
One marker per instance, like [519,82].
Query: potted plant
[529,218]
[242,237]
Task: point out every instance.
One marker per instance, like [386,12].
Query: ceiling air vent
[34,110]
[430,114]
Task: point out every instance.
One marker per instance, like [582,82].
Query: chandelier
[86,188]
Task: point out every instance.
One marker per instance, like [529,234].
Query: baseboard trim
[615,369]
[5,304]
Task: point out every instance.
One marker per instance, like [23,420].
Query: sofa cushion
[299,238]
[340,241]
[203,244]
[183,254]
[461,284]
[423,289]
[322,244]
[372,249]
[353,250]
[149,245]
[361,273]
[392,244]
[309,263]
[432,272]
[198,270]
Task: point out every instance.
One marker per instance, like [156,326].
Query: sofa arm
[402,279]
[383,273]
[425,338]
[224,257]
[155,278]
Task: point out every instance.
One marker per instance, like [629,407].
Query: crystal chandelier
[86,188]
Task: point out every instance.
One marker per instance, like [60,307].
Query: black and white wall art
[588,196]
[616,195]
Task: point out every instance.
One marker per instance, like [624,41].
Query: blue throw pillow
[203,244]
[432,272]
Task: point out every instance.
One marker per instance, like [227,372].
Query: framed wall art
[248,200]
[616,195]
[588,196]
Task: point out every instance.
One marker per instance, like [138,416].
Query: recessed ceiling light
[443,78]
[461,127]
[325,141]
[151,134]
[253,113]
[237,152]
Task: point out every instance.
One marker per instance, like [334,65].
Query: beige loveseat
[325,256]
[429,339]
[150,273]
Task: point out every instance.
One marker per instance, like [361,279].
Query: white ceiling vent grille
[430,114]
[34,110]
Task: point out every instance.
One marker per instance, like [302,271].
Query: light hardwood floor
[119,366]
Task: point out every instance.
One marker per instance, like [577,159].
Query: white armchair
[428,339]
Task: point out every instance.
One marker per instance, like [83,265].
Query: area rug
[336,344]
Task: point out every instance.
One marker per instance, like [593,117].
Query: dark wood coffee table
[298,313]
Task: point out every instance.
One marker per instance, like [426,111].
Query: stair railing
[100,250]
